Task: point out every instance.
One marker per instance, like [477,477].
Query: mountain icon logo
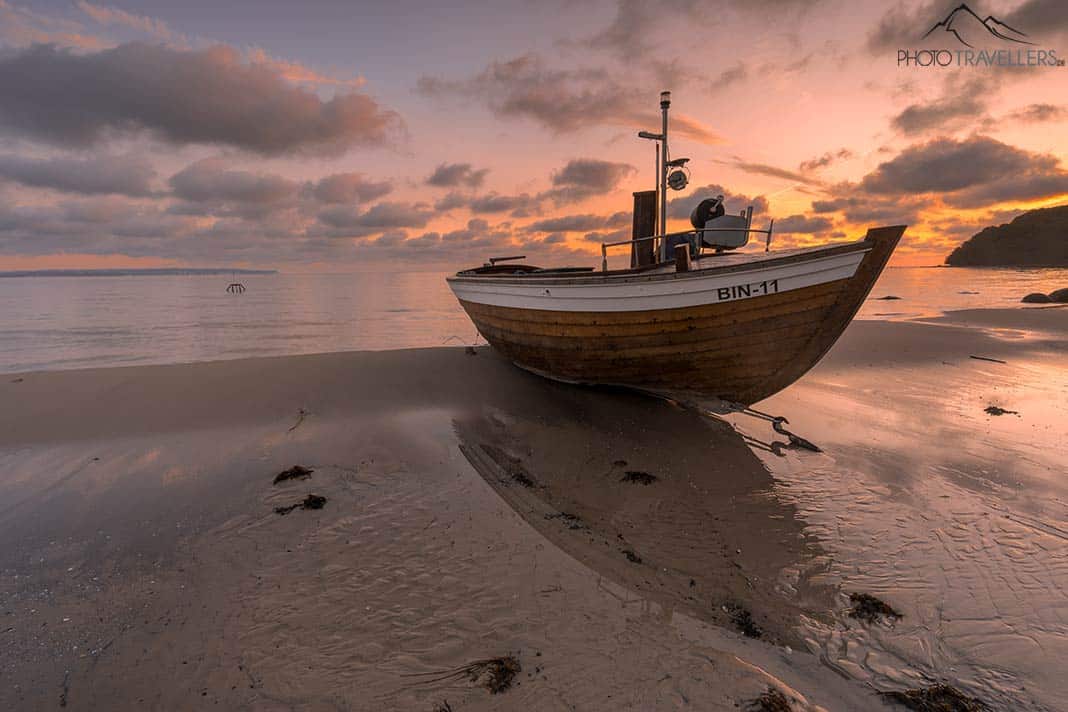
[965,25]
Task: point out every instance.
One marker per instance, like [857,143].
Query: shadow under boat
[658,498]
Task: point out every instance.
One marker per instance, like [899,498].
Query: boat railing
[767,243]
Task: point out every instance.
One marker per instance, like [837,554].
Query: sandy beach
[628,552]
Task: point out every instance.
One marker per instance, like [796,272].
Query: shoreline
[141,496]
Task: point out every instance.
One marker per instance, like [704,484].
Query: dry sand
[473,510]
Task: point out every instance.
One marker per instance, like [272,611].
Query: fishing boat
[690,316]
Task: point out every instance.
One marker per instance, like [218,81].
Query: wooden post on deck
[643,253]
[682,257]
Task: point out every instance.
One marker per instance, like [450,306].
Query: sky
[344,136]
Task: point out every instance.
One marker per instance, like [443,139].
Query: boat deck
[724,262]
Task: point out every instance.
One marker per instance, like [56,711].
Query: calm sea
[49,323]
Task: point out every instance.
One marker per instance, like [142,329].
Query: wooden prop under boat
[739,327]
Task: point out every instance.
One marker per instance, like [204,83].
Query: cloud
[379,217]
[1038,16]
[774,172]
[635,29]
[456,246]
[963,103]
[99,175]
[476,228]
[114,16]
[577,180]
[803,224]
[297,72]
[561,100]
[580,223]
[1031,185]
[873,209]
[494,203]
[729,76]
[945,165]
[99,225]
[613,236]
[733,202]
[158,29]
[973,173]
[452,175]
[902,27]
[519,205]
[939,115]
[349,188]
[451,201]
[210,181]
[628,33]
[592,174]
[98,211]
[584,178]
[205,96]
[22,27]
[826,160]
[1040,113]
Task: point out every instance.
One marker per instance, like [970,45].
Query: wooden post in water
[643,253]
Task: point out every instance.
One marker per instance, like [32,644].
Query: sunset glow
[348,137]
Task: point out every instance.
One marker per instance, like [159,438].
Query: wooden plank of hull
[741,351]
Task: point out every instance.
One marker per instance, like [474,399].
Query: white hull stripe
[658,294]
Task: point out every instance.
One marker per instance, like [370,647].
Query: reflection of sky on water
[58,323]
[928,291]
[53,323]
[954,516]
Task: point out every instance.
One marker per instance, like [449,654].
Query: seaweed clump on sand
[638,478]
[867,607]
[771,701]
[312,501]
[512,466]
[997,410]
[936,698]
[632,557]
[571,521]
[297,472]
[494,674]
[743,620]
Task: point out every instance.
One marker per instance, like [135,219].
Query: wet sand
[474,510]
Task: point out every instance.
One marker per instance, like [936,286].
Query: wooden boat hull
[723,331]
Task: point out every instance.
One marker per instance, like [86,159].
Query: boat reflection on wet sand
[639,500]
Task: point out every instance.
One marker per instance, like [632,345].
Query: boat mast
[661,167]
[665,103]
